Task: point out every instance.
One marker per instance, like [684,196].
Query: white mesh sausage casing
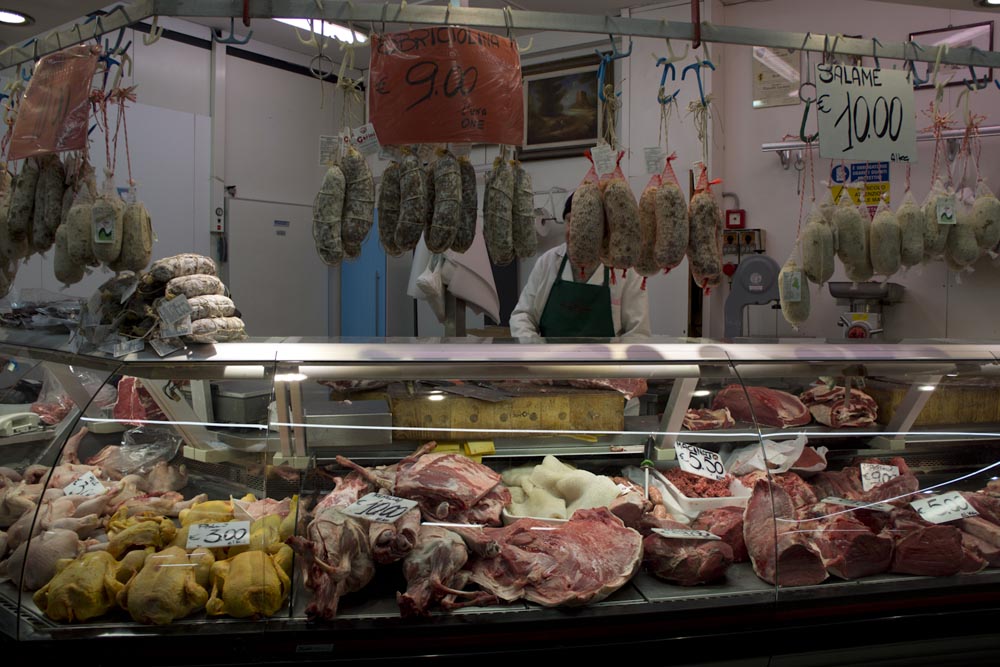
[328,212]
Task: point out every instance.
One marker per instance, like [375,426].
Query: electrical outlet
[736,219]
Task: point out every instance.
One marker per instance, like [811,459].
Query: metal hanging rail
[377,14]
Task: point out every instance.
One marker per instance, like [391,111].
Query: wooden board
[951,403]
[562,409]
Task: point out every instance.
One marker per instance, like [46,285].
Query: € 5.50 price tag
[699,461]
[227,534]
[380,507]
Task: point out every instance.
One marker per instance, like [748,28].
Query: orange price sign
[55,109]
[446,84]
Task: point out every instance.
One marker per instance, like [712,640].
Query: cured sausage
[523,216]
[185,264]
[108,222]
[885,242]
[48,202]
[672,226]
[498,214]
[646,265]
[621,213]
[704,241]
[466,232]
[413,202]
[817,248]
[22,201]
[359,198]
[585,232]
[388,209]
[447,215]
[793,293]
[911,232]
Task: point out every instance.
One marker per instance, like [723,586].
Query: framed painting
[561,108]
[978,35]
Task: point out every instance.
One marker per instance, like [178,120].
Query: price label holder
[110,346]
[700,461]
[656,157]
[129,346]
[791,284]
[85,485]
[380,507]
[679,534]
[624,489]
[177,329]
[865,113]
[447,84]
[365,139]
[874,474]
[175,309]
[605,159]
[945,208]
[166,346]
[329,148]
[943,508]
[104,225]
[857,504]
[227,534]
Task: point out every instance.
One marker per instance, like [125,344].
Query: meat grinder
[865,305]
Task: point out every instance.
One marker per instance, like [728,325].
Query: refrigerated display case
[189,518]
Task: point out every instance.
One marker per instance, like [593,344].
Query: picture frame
[562,115]
[978,35]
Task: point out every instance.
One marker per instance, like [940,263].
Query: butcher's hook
[875,52]
[696,67]
[232,38]
[976,84]
[667,67]
[911,66]
[802,128]
[155,32]
[607,58]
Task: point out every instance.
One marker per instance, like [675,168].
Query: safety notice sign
[872,178]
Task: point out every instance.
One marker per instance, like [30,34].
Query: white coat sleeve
[634,307]
[525,318]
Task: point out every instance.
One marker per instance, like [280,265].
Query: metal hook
[607,58]
[668,66]
[976,83]
[696,67]
[802,127]
[155,32]
[911,65]
[232,38]
[874,53]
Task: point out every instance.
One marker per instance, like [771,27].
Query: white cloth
[629,302]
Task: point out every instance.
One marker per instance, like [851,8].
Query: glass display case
[375,499]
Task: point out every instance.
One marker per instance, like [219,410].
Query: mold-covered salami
[447,213]
[216,330]
[498,216]
[586,229]
[10,251]
[211,305]
[429,185]
[388,209]
[48,202]
[986,218]
[137,238]
[67,271]
[195,285]
[22,201]
[413,202]
[185,264]
[621,214]
[672,226]
[466,233]
[359,198]
[705,241]
[328,212]
[523,215]
[79,221]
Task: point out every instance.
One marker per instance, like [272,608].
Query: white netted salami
[413,202]
[216,330]
[388,209]
[211,305]
[884,237]
[498,214]
[328,211]
[194,285]
[359,198]
[447,206]
[108,220]
[523,214]
[817,248]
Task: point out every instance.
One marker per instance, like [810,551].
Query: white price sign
[874,474]
[175,309]
[857,504]
[700,461]
[228,534]
[944,508]
[381,508]
[679,534]
[85,485]
[624,489]
[865,113]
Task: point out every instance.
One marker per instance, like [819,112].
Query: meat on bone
[828,406]
[434,573]
[770,407]
[704,419]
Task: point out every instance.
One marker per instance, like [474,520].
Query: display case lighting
[701,392]
[927,387]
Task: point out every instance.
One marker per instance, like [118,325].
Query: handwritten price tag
[85,485]
[175,309]
[865,113]
[228,534]
[655,156]
[943,508]
[857,504]
[605,159]
[381,508]
[679,534]
[699,461]
[874,474]
[446,84]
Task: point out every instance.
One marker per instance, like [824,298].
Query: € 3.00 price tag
[944,508]
[682,534]
[85,485]
[700,461]
[874,474]
[227,534]
[381,508]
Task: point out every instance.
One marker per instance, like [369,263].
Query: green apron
[577,310]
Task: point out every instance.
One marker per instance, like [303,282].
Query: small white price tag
[228,534]
[656,156]
[791,284]
[329,148]
[110,346]
[104,225]
[177,329]
[857,504]
[679,534]
[604,159]
[699,461]
[85,485]
[945,207]
[874,474]
[364,139]
[623,489]
[165,346]
[944,508]
[381,508]
[175,309]
[129,346]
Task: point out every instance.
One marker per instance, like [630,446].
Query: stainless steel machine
[865,305]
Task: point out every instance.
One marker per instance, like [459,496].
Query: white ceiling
[50,14]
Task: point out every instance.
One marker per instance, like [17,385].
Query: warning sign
[870,177]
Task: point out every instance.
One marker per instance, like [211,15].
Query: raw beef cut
[685,562]
[988,506]
[704,419]
[771,407]
[576,563]
[985,550]
[779,553]
[844,483]
[696,486]
[828,406]
[727,523]
[849,548]
[924,548]
[631,505]
[433,572]
[797,488]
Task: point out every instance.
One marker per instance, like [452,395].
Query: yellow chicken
[157,532]
[211,511]
[83,588]
[251,584]
[171,585]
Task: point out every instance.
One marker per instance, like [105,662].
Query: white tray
[692,507]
